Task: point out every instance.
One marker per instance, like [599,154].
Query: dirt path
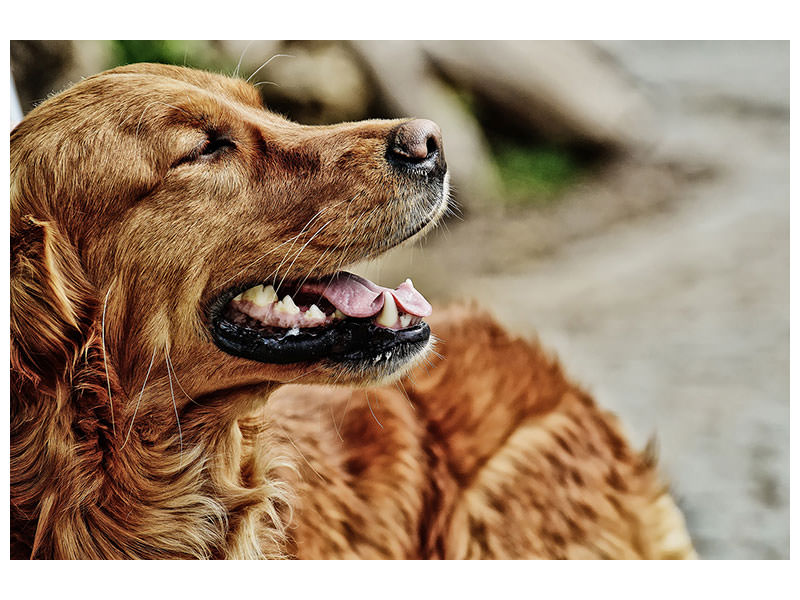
[675,314]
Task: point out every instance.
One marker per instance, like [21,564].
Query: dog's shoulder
[539,469]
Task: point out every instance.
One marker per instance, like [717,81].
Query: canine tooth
[314,313]
[269,292]
[259,295]
[409,282]
[251,294]
[239,297]
[264,296]
[405,320]
[287,306]
[388,316]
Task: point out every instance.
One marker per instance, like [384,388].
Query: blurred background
[625,202]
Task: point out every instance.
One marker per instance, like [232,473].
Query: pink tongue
[359,297]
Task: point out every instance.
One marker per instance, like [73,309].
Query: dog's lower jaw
[391,369]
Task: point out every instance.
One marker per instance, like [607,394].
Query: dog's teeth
[314,313]
[409,282]
[287,306]
[405,320]
[259,295]
[251,294]
[269,292]
[339,314]
[238,298]
[388,316]
[264,296]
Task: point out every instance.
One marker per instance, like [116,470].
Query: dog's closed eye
[211,148]
[215,145]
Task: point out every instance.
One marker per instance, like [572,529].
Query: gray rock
[564,91]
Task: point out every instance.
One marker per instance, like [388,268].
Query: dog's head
[166,204]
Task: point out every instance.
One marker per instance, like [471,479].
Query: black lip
[349,340]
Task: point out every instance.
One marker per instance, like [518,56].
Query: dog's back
[489,452]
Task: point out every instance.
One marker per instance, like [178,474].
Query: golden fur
[134,436]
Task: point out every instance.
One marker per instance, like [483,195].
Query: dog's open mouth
[342,317]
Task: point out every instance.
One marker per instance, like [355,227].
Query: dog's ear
[52,304]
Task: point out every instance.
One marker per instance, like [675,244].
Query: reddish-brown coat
[119,246]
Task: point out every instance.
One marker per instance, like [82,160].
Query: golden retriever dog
[177,298]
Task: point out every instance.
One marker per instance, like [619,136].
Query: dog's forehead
[156,77]
[143,100]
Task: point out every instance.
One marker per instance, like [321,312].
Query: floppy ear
[61,412]
[52,305]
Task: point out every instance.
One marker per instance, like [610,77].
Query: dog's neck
[143,488]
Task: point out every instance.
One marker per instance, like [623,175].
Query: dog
[177,298]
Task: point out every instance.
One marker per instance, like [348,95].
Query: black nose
[416,146]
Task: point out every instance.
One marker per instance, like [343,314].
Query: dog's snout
[417,145]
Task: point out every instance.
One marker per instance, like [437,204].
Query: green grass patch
[191,53]
[535,174]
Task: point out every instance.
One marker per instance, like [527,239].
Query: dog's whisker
[437,354]
[172,366]
[337,247]
[259,259]
[366,394]
[428,365]
[317,215]
[241,57]
[105,359]
[330,249]
[344,414]
[300,452]
[275,249]
[135,410]
[144,110]
[299,252]
[402,388]
[314,266]
[351,239]
[303,374]
[175,406]
[333,420]
[266,63]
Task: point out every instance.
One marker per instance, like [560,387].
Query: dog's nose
[417,145]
